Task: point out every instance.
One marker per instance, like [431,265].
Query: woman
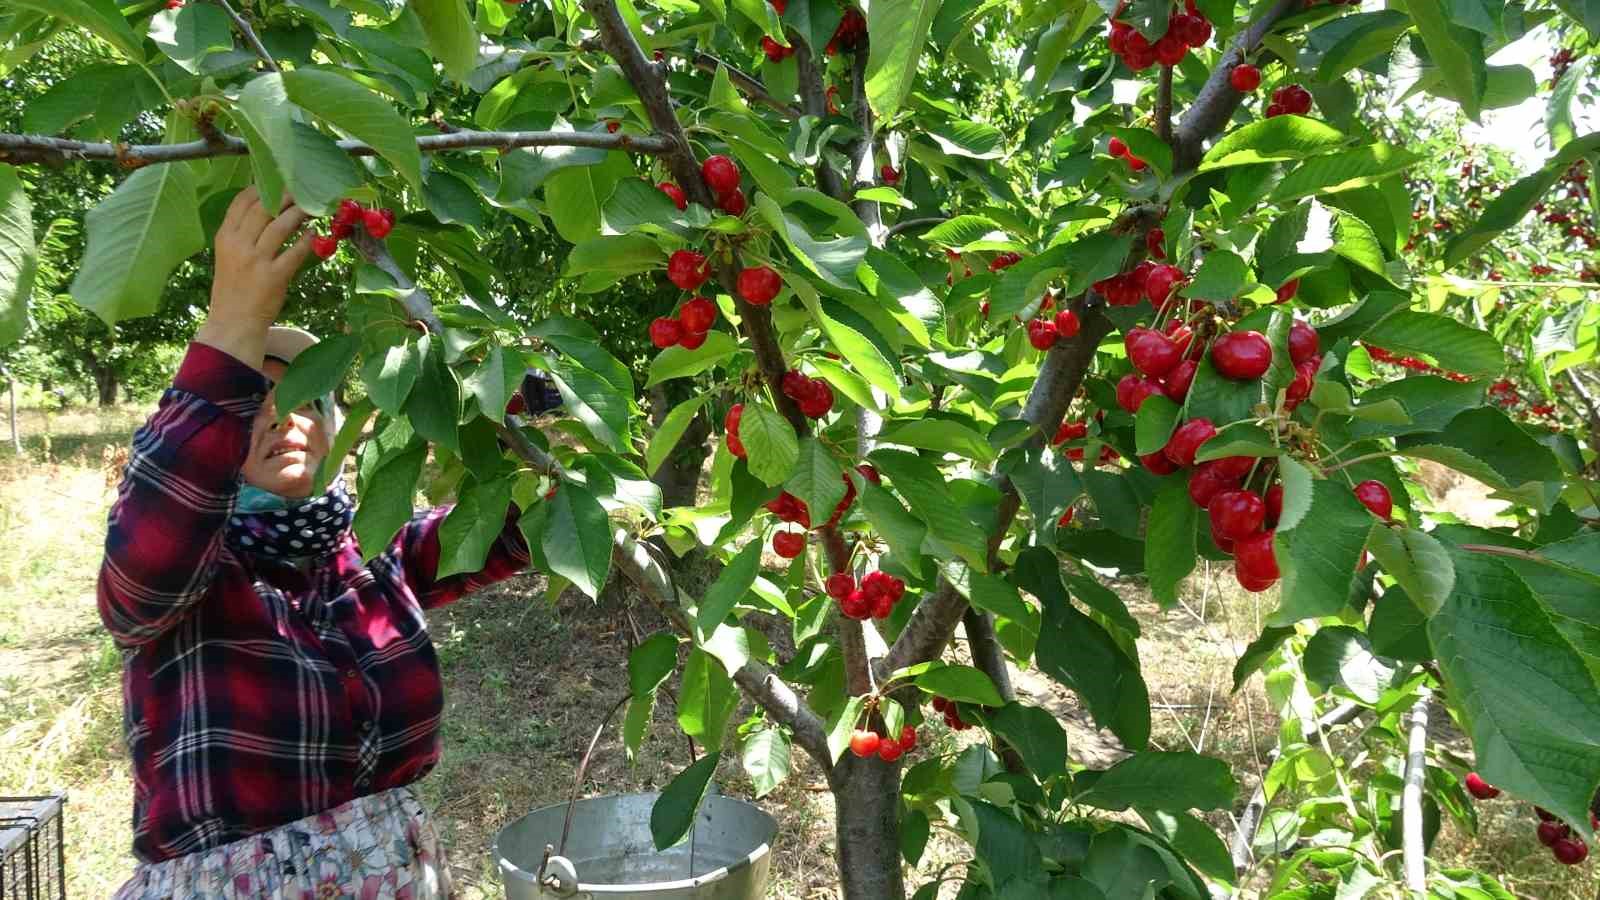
[279,694]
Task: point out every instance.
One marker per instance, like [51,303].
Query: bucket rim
[511,870]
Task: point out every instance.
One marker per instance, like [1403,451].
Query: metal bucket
[610,853]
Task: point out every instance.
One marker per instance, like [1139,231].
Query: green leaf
[495,380]
[386,499]
[941,435]
[1238,439]
[678,362]
[924,487]
[1355,240]
[190,32]
[975,140]
[1223,275]
[311,165]
[1457,347]
[1343,171]
[1340,656]
[636,203]
[842,723]
[834,260]
[1484,443]
[136,237]
[1144,144]
[577,538]
[434,407]
[651,662]
[1173,782]
[1169,549]
[1369,35]
[315,373]
[671,430]
[903,531]
[1398,629]
[19,258]
[817,480]
[1416,560]
[962,230]
[1558,114]
[450,34]
[1525,695]
[961,683]
[1509,207]
[673,814]
[1277,138]
[389,375]
[99,16]
[355,422]
[1194,840]
[1456,51]
[1297,492]
[595,402]
[865,356]
[574,196]
[1153,424]
[897,31]
[1047,483]
[352,108]
[1258,653]
[766,759]
[1318,558]
[732,583]
[770,443]
[1036,735]
[472,527]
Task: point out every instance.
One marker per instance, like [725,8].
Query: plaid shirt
[256,693]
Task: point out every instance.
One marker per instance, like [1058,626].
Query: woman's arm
[417,546]
[166,527]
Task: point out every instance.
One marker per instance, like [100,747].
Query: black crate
[33,848]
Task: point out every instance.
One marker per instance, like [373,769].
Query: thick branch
[34,148]
[249,35]
[1214,105]
[1413,848]
[745,82]
[814,99]
[862,172]
[1164,105]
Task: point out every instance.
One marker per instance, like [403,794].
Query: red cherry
[1241,355]
[1155,243]
[1245,78]
[733,202]
[324,245]
[1132,390]
[1274,501]
[348,213]
[1171,49]
[1116,147]
[1375,497]
[1176,384]
[341,230]
[1151,352]
[698,314]
[1041,334]
[1303,343]
[1184,443]
[1300,388]
[1205,484]
[1274,109]
[692,340]
[908,738]
[378,222]
[1135,163]
[818,401]
[864,743]
[1249,580]
[789,544]
[679,198]
[688,269]
[1549,832]
[759,285]
[774,50]
[1288,289]
[1158,463]
[1158,285]
[516,406]
[1070,430]
[720,173]
[889,750]
[1571,851]
[1195,29]
[730,426]
[840,584]
[889,175]
[1236,514]
[1231,468]
[174,4]
[665,332]
[1067,324]
[1255,554]
[612,125]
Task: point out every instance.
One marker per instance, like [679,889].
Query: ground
[527,681]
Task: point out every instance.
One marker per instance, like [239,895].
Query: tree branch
[1244,834]
[862,172]
[249,35]
[899,228]
[745,82]
[1164,105]
[38,148]
[1217,99]
[814,100]
[1414,850]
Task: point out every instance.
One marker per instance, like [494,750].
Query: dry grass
[525,684]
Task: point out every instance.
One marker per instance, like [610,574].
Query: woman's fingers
[236,209]
[254,218]
[290,260]
[281,228]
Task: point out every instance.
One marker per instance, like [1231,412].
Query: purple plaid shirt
[256,693]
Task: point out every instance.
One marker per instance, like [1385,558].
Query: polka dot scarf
[266,524]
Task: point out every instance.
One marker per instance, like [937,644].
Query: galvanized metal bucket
[609,852]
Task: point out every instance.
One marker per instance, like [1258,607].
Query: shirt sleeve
[166,527]
[417,545]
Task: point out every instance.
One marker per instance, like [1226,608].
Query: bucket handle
[552,881]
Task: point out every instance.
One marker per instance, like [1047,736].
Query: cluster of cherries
[1043,333]
[377,221]
[952,716]
[791,509]
[1568,848]
[865,742]
[848,36]
[1185,31]
[1150,280]
[1291,99]
[775,51]
[721,175]
[814,396]
[689,329]
[873,598]
[688,269]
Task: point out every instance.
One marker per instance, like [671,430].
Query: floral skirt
[379,847]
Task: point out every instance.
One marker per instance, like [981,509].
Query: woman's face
[284,457]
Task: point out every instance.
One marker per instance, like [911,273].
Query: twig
[908,224]
[745,82]
[1414,849]
[1164,105]
[1249,823]
[249,35]
[33,148]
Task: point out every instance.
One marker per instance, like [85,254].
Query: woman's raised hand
[253,271]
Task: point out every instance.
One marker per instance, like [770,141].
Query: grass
[526,682]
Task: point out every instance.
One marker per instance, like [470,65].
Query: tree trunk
[866,799]
[679,474]
[105,386]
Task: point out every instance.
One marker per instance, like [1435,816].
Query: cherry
[688,269]
[692,340]
[1066,519]
[889,175]
[174,4]
[733,202]
[759,285]
[1132,390]
[341,230]
[720,173]
[818,401]
[1255,555]
[779,5]
[730,426]
[1183,444]
[679,198]
[1070,430]
[840,584]
[1241,355]
[1236,514]
[1159,283]
[1290,99]
[378,222]
[1041,334]
[1116,147]
[1245,78]
[1251,581]
[1182,336]
[1171,49]
[1544,815]
[613,126]
[1158,463]
[775,51]
[1233,468]
[1135,163]
[1193,28]
[516,406]
[1151,352]
[1300,388]
[789,544]
[1225,544]
[870,473]
[864,743]
[1570,852]
[856,606]
[889,750]
[1274,501]
[1288,289]
[1176,384]
[1549,832]
[348,213]
[1067,324]
[665,332]
[1375,497]
[908,738]
[324,245]
[698,314]
[1303,343]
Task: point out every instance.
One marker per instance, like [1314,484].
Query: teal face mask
[254,499]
